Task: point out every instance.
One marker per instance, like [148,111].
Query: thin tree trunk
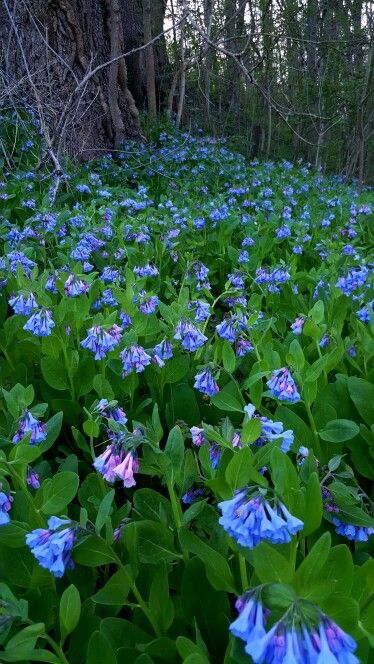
[149,60]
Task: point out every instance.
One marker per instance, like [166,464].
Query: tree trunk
[50,50]
[149,59]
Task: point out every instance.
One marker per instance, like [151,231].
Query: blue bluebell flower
[351,531]
[53,547]
[146,270]
[23,305]
[192,495]
[99,342]
[243,347]
[164,350]
[189,335]
[198,437]
[249,518]
[324,342]
[250,624]
[5,506]
[214,455]
[134,358]
[205,383]
[226,330]
[148,304]
[283,386]
[29,424]
[41,323]
[74,286]
[32,478]
[297,326]
[202,310]
[111,411]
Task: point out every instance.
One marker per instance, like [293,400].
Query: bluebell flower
[226,330]
[23,305]
[32,478]
[134,358]
[50,284]
[202,310]
[41,323]
[365,312]
[324,341]
[111,411]
[148,305]
[99,342]
[29,424]
[283,232]
[243,347]
[236,279]
[52,548]
[243,257]
[83,188]
[351,531]
[205,383]
[108,298]
[189,335]
[126,320]
[214,455]
[192,495]
[250,624]
[74,286]
[198,437]
[18,258]
[297,326]
[109,274]
[146,270]
[249,518]
[5,506]
[352,352]
[164,350]
[114,463]
[283,386]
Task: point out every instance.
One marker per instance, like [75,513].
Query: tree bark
[49,47]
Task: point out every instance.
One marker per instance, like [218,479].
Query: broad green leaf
[116,590]
[70,609]
[92,552]
[310,568]
[99,650]
[338,431]
[226,401]
[59,491]
[217,568]
[313,505]
[270,565]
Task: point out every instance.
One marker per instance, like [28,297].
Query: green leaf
[251,431]
[59,491]
[309,570]
[21,645]
[338,431]
[176,368]
[313,505]
[70,610]
[54,373]
[296,355]
[150,504]
[174,449]
[160,604]
[286,481]
[217,568]
[99,650]
[155,543]
[228,357]
[93,551]
[116,590]
[362,395]
[317,312]
[226,401]
[91,428]
[270,565]
[104,510]
[53,428]
[103,387]
[339,569]
[238,470]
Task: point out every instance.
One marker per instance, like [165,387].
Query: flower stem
[177,512]
[243,572]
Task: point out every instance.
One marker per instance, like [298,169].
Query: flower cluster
[53,547]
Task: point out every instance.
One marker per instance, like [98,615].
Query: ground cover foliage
[187,411]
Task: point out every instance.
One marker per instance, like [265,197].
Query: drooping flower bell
[114,463]
[75,286]
[297,326]
[5,505]
[198,437]
[99,342]
[283,387]
[23,305]
[41,323]
[249,518]
[111,411]
[29,424]
[190,336]
[52,548]
[134,358]
[205,383]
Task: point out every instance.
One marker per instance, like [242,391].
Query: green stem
[243,572]
[138,596]
[18,481]
[68,371]
[177,512]
[59,652]
[314,431]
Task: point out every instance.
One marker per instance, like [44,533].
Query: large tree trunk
[49,49]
